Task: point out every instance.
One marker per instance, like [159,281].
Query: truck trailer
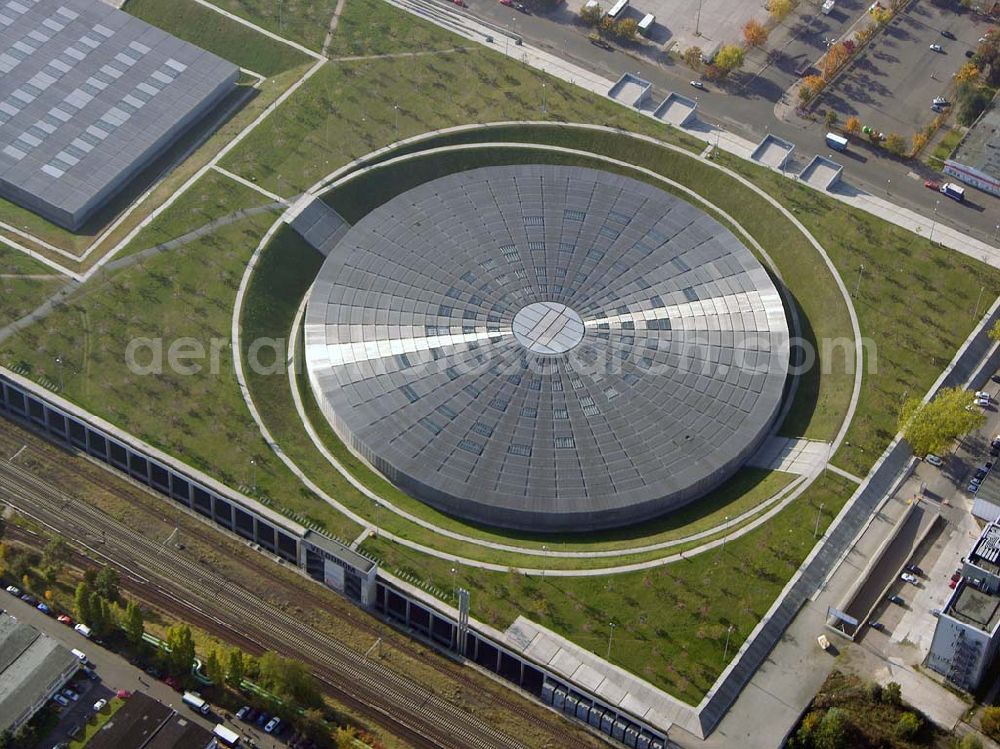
[836,142]
[953,191]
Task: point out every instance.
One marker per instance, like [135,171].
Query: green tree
[970,741]
[908,725]
[106,583]
[591,16]
[90,577]
[892,694]
[133,624]
[346,737]
[212,668]
[779,9]
[56,553]
[729,58]
[692,57]
[995,332]
[235,668]
[931,427]
[830,118]
[832,731]
[181,657]
[109,619]
[990,722]
[290,679]
[96,622]
[82,603]
[313,725]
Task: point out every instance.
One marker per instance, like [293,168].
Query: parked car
[914,569]
[29,599]
[44,608]
[241,714]
[460,3]
[947,34]
[154,672]
[898,600]
[70,695]
[936,48]
[953,584]
[970,53]
[932,185]
[956,576]
[272,725]
[980,475]
[698,84]
[59,699]
[508,3]
[171,682]
[521,7]
[973,487]
[877,626]
[100,705]
[934,460]
[935,613]
[263,719]
[906,577]
[14,591]
[597,41]
[251,716]
[68,621]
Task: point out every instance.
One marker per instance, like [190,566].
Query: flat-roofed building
[89,97]
[145,723]
[33,667]
[966,637]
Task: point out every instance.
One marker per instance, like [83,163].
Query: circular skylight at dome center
[548,328]
[546,348]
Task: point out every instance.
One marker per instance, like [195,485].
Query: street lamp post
[697,22]
[818,514]
[396,108]
[725,533]
[543,98]
[253,474]
[857,288]
[59,363]
[934,222]
[888,184]
[454,582]
[725,656]
[611,633]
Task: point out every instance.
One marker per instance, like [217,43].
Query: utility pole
[610,635]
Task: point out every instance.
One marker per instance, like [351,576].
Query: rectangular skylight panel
[53,171]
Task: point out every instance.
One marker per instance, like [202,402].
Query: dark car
[878,626]
[948,35]
[154,672]
[996,378]
[898,600]
[915,570]
[29,599]
[521,7]
[980,475]
[599,42]
[263,719]
[171,682]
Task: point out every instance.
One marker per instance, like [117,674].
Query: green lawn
[348,110]
[24,284]
[210,30]
[944,148]
[302,21]
[96,723]
[670,621]
[373,27]
[915,307]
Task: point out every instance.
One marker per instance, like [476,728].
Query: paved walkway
[799,456]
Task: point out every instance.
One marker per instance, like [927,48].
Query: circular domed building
[547,348]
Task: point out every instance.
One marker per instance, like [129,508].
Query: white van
[80,655]
[83,629]
[195,702]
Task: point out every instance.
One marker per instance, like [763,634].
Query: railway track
[400,704]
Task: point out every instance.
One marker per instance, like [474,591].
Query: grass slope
[24,284]
[373,27]
[215,32]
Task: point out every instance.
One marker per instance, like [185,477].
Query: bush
[892,694]
[873,691]
[909,725]
[591,16]
[832,731]
[895,144]
[970,741]
[626,29]
[990,721]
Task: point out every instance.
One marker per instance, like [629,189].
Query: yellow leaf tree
[968,73]
[754,33]
[852,126]
[779,9]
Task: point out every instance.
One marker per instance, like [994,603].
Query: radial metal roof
[546,348]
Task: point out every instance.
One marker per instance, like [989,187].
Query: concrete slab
[822,173]
[773,151]
[798,456]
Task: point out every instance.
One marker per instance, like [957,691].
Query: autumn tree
[779,9]
[754,33]
[852,126]
[917,143]
[931,427]
[881,16]
[811,85]
[626,29]
[895,144]
[692,57]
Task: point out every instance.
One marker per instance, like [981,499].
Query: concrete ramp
[798,456]
[676,109]
[318,223]
[773,151]
[822,173]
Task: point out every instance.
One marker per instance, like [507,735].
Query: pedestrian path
[799,456]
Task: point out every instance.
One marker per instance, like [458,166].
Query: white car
[823,642]
[100,705]
[13,591]
[936,48]
[982,394]
[933,460]
[983,402]
[698,84]
[272,725]
[908,578]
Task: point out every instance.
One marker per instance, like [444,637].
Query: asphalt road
[747,106]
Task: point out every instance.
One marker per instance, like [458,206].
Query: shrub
[895,144]
[908,725]
[892,693]
[990,721]
[970,741]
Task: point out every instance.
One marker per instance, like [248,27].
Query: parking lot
[891,85]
